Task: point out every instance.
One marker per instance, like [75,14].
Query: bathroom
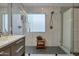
[59,26]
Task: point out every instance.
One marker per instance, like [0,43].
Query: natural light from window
[36,22]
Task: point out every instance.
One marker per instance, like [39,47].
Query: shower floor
[47,50]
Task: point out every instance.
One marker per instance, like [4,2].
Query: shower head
[51,21]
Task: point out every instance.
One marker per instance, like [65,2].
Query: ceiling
[3,4]
[50,4]
[43,4]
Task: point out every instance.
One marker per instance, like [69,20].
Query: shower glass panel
[67,29]
[17,19]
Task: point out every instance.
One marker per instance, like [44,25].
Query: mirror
[3,19]
[10,19]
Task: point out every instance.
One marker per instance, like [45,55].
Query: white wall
[76,30]
[52,36]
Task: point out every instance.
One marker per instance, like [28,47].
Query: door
[67,29]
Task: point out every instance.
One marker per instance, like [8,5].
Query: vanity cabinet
[5,51]
[16,48]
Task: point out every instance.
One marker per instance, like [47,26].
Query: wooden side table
[40,43]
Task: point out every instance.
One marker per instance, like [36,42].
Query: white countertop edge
[17,37]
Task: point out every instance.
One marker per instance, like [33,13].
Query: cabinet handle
[19,41]
[19,49]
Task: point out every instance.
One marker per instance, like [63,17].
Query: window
[5,22]
[36,22]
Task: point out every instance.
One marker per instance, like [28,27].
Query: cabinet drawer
[20,51]
[5,52]
[18,48]
[19,41]
[19,45]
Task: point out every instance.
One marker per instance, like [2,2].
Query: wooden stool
[40,42]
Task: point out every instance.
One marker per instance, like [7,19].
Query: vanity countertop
[6,40]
